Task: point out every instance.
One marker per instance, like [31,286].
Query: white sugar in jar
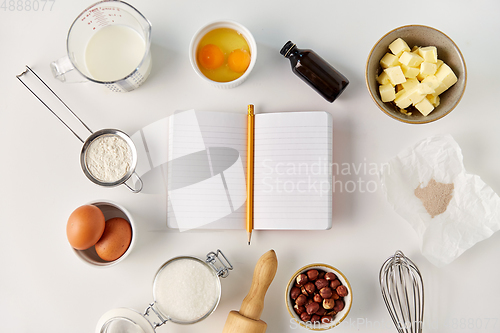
[186,290]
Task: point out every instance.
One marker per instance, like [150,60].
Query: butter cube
[389,60]
[395,75]
[410,59]
[410,72]
[424,89]
[409,84]
[428,68]
[383,78]
[439,63]
[387,92]
[398,46]
[440,88]
[399,93]
[428,53]
[415,96]
[408,97]
[424,106]
[445,75]
[421,76]
[431,81]
[434,99]
[415,49]
[402,100]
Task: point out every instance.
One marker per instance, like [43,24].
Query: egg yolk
[239,60]
[210,56]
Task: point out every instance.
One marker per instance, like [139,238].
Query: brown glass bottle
[315,71]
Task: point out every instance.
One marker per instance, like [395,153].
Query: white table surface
[44,287]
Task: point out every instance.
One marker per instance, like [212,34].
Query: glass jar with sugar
[186,290]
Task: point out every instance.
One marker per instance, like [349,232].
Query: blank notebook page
[292,171]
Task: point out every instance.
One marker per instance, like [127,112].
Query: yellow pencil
[250,151]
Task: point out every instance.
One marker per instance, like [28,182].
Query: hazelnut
[304,291]
[294,293]
[315,319]
[339,305]
[334,284]
[342,291]
[312,274]
[330,276]
[310,288]
[318,298]
[335,295]
[331,313]
[309,301]
[312,308]
[321,283]
[305,317]
[321,274]
[299,309]
[301,300]
[321,311]
[302,279]
[326,292]
[329,303]
[326,319]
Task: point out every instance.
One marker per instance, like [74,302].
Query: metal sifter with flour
[186,290]
[108,156]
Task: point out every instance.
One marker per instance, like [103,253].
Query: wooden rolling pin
[247,320]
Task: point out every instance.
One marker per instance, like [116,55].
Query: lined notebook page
[206,170]
[292,171]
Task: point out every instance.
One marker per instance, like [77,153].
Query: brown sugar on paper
[435,196]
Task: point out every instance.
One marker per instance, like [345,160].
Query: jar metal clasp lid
[223,267]
[158,315]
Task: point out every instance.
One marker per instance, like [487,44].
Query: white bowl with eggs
[240,29]
[109,210]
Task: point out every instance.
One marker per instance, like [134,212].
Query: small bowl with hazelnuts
[318,297]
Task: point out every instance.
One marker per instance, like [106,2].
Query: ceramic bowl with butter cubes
[416,74]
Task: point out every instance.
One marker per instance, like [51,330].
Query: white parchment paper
[473,213]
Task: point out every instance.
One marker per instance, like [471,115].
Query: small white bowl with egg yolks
[195,63]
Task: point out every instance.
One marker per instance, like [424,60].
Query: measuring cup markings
[89,23]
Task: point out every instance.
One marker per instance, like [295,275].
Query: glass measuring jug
[108,43]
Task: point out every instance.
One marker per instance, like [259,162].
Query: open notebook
[206,170]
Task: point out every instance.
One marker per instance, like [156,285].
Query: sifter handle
[263,275]
[48,107]
[135,190]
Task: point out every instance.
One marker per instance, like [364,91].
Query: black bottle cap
[286,49]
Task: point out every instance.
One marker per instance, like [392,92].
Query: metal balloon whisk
[403,292]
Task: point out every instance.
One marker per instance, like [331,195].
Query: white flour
[108,158]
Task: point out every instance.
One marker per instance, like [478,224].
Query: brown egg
[115,240]
[85,227]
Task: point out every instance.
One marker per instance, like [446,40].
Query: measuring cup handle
[60,69]
[135,190]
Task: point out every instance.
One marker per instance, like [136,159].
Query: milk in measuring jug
[114,52]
